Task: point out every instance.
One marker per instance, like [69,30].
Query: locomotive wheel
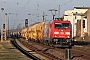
[51,44]
[42,42]
[48,43]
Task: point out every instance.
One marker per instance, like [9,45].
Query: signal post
[26,25]
[3,29]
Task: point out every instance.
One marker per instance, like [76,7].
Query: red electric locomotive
[57,33]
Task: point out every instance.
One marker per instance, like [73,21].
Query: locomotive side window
[66,25]
[58,25]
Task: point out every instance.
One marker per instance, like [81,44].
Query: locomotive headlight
[55,40]
[68,37]
[55,36]
[56,32]
[68,33]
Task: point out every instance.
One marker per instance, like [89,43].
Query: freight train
[57,33]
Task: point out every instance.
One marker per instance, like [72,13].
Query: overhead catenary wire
[61,5]
[24,7]
[67,2]
[48,3]
[37,10]
[17,13]
[38,7]
[45,5]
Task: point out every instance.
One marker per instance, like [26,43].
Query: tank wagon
[57,33]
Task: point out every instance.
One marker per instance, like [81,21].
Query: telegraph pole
[7,23]
[59,11]
[3,30]
[43,16]
[17,15]
[44,19]
[8,26]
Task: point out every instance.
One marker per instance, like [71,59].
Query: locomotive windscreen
[62,25]
[66,25]
[58,25]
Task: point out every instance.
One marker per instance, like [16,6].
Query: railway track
[80,52]
[43,53]
[54,53]
[32,57]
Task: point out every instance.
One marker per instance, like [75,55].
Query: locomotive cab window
[62,25]
[66,25]
[58,25]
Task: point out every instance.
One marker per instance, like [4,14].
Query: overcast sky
[35,8]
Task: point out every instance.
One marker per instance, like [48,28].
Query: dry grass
[8,52]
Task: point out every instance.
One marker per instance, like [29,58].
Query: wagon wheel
[43,42]
[49,43]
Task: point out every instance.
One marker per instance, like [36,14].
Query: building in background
[79,18]
[87,16]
